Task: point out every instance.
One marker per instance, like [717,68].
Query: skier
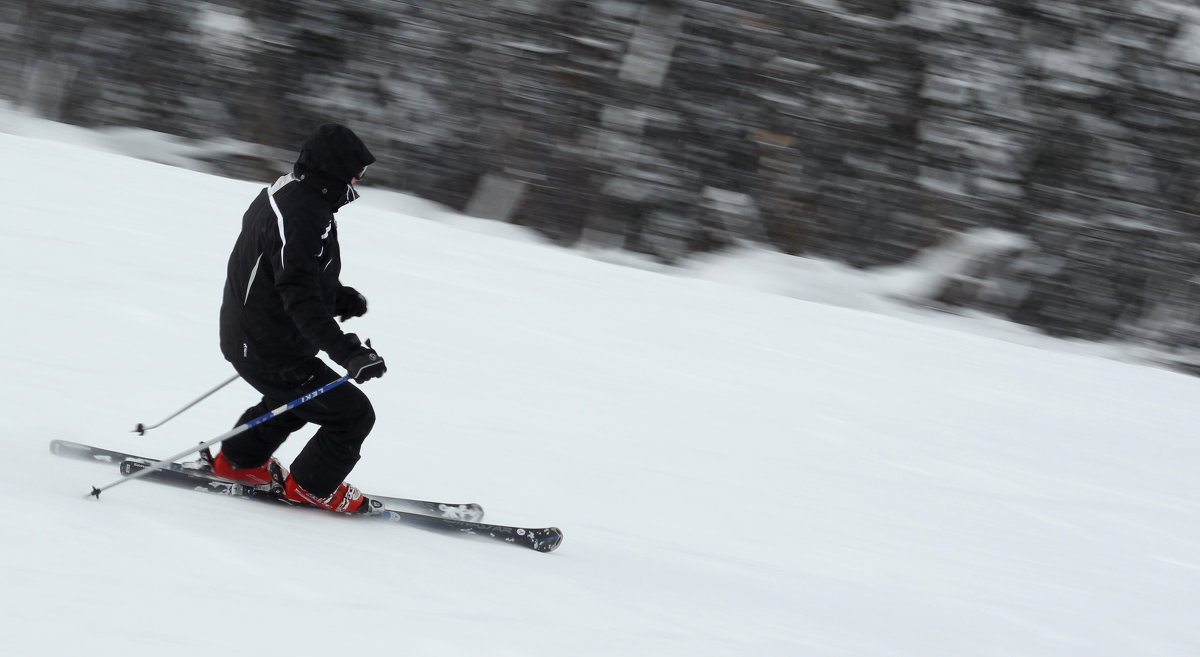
[281,296]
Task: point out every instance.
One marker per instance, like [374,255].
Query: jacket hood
[333,150]
[330,158]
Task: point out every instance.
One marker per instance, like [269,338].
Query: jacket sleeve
[296,267]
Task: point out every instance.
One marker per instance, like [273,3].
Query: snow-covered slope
[737,473]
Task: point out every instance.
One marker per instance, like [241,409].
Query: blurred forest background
[857,130]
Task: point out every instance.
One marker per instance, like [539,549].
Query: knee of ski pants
[346,417]
[366,418]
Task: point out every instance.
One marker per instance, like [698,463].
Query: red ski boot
[346,499]
[263,474]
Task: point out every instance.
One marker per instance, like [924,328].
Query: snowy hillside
[737,472]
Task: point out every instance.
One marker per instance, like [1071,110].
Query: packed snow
[752,455]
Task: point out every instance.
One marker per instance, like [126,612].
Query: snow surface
[737,471]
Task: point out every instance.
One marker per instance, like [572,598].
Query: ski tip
[549,541]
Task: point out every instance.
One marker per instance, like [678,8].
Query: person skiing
[282,293]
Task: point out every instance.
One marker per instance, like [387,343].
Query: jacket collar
[334,191]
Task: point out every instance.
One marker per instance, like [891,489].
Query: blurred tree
[852,129]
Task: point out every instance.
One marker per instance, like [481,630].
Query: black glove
[365,364]
[350,303]
[362,363]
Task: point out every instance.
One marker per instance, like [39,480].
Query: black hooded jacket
[282,284]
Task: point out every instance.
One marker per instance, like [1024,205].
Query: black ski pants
[344,415]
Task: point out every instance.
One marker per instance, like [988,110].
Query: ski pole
[225,436]
[141,429]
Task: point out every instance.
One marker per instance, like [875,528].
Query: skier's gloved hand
[350,303]
[362,363]
[365,364]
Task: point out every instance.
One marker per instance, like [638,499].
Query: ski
[470,512]
[544,539]
[83,452]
